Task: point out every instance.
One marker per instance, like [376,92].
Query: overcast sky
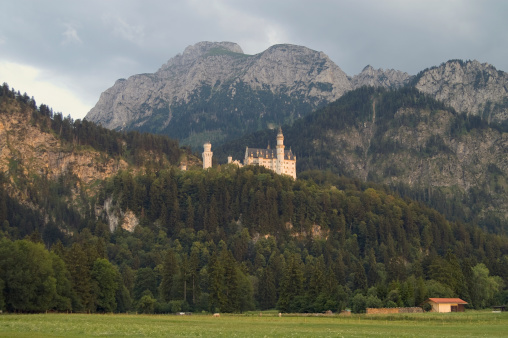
[65,53]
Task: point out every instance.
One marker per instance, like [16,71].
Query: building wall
[288,166]
[446,307]
[280,161]
[207,155]
[388,310]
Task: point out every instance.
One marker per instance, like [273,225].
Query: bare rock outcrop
[28,150]
[389,78]
[211,75]
[471,87]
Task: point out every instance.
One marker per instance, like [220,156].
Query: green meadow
[468,324]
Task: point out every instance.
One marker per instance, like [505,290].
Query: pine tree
[170,271]
[267,292]
[77,263]
[291,284]
[216,288]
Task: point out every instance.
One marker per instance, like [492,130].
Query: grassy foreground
[468,324]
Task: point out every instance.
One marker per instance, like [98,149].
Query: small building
[446,304]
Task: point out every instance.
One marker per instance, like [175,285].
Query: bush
[359,303]
[146,304]
[175,306]
[374,302]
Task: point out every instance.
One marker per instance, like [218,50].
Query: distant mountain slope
[468,86]
[214,91]
[407,140]
[389,78]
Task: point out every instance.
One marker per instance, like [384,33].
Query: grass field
[468,324]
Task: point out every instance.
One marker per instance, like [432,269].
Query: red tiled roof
[447,300]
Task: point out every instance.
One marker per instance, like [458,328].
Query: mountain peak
[204,47]
[208,86]
[389,78]
[468,86]
[200,49]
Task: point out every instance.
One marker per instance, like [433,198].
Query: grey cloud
[90,44]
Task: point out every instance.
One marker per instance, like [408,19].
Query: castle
[279,160]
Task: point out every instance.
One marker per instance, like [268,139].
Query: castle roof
[269,154]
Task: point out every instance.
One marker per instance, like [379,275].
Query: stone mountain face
[27,151]
[214,92]
[389,78]
[212,89]
[471,87]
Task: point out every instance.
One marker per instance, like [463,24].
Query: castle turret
[207,155]
[280,152]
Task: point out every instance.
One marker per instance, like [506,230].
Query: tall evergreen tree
[170,272]
[105,276]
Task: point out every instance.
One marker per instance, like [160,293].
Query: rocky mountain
[471,87]
[455,162]
[26,150]
[389,78]
[214,91]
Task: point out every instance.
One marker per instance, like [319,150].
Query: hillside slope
[409,141]
[54,165]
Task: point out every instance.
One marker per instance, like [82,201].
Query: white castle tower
[282,161]
[280,152]
[207,155]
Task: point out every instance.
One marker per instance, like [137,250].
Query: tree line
[232,240]
[132,146]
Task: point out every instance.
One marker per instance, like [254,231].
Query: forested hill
[408,141]
[89,230]
[81,133]
[231,240]
[50,165]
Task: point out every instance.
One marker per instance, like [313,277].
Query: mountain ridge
[212,91]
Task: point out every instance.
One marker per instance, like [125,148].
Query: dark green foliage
[291,286]
[32,279]
[220,239]
[105,276]
[216,114]
[170,272]
[374,248]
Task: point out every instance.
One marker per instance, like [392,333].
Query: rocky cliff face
[389,78]
[215,92]
[472,87]
[413,143]
[210,82]
[26,150]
